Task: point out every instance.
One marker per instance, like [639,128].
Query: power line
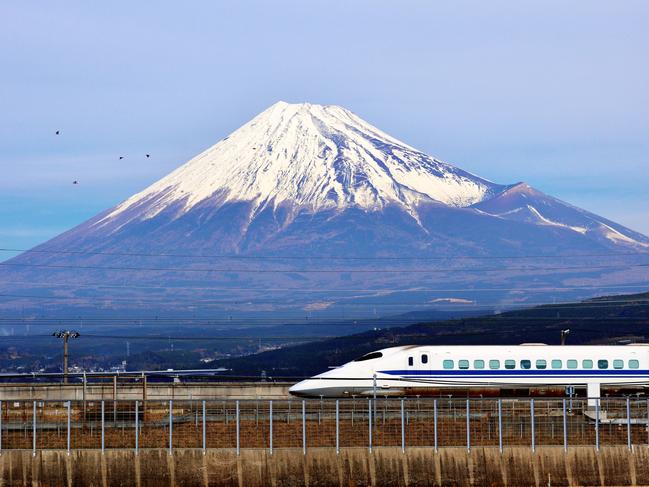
[205,338]
[510,308]
[320,289]
[328,258]
[469,305]
[380,334]
[322,271]
[361,324]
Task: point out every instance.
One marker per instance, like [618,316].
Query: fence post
[171,426]
[435,423]
[34,430]
[238,427]
[68,429]
[204,430]
[468,427]
[270,425]
[114,400]
[84,398]
[597,425]
[565,427]
[532,425]
[337,426]
[500,425]
[403,428]
[304,427]
[369,420]
[102,426]
[628,424]
[137,427]
[0,427]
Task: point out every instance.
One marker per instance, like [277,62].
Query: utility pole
[65,335]
[564,335]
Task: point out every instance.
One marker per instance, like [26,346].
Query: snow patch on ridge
[615,236]
[581,230]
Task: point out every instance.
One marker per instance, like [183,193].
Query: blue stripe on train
[518,373]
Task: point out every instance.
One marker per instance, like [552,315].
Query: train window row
[541,364]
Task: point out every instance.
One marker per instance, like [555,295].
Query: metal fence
[361,422]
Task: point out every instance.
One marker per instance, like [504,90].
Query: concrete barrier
[139,391]
[514,467]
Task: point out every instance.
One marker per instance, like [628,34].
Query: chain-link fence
[294,423]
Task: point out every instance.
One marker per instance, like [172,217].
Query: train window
[541,364]
[411,361]
[463,364]
[602,364]
[526,364]
[369,356]
[587,364]
[557,364]
[572,364]
[510,364]
[448,364]
[494,364]
[424,358]
[478,364]
[634,364]
[618,364]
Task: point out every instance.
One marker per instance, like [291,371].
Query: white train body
[409,370]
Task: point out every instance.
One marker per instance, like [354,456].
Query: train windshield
[369,356]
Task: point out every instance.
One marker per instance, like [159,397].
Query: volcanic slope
[315,209]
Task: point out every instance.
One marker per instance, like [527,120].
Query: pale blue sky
[552,93]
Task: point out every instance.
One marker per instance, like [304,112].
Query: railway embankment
[516,466]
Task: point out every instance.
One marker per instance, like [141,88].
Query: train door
[424,361]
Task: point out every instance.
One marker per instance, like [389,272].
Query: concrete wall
[154,391]
[323,467]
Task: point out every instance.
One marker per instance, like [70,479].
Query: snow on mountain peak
[314,157]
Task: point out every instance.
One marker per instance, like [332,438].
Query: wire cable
[328,258]
[320,289]
[322,271]
[469,305]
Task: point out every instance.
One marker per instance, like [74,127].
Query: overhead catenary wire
[362,325]
[271,289]
[507,308]
[468,304]
[302,338]
[323,271]
[316,257]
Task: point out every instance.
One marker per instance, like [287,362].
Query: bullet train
[436,370]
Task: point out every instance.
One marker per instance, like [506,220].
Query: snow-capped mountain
[311,158]
[318,199]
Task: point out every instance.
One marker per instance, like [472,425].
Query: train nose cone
[301,389]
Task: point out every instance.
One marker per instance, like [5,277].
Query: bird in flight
[148,155]
[75,182]
[121,157]
[58,132]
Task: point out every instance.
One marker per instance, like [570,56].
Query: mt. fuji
[308,208]
[316,158]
